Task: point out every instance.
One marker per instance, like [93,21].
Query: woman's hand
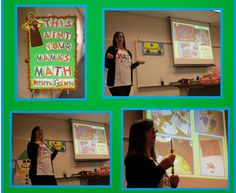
[174,180]
[109,56]
[167,162]
[141,62]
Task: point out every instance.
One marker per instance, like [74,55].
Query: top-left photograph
[50,52]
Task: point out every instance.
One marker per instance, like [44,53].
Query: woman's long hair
[114,39]
[137,140]
[33,133]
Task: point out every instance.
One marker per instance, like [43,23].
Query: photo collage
[113,98]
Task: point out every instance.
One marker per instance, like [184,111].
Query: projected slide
[170,122]
[209,122]
[89,141]
[199,140]
[191,42]
[183,150]
[211,156]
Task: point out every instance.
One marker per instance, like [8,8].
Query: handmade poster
[153,48]
[21,176]
[58,145]
[21,169]
[52,51]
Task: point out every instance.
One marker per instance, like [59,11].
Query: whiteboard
[157,67]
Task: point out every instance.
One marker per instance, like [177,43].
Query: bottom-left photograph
[70,149]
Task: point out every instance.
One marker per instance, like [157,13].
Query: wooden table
[199,89]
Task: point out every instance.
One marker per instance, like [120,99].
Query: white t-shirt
[44,164]
[123,68]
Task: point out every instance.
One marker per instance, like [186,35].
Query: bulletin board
[161,67]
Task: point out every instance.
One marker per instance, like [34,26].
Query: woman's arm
[109,56]
[134,65]
[32,150]
[54,153]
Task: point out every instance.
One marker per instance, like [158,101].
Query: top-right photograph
[162,53]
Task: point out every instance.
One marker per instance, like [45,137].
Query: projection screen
[191,43]
[89,140]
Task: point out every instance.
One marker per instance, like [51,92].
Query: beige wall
[185,182]
[146,28]
[54,129]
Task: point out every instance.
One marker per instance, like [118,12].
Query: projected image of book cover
[89,141]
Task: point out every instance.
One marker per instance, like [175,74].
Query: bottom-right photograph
[175,148]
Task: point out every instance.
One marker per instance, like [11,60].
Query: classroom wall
[54,129]
[145,28]
[185,182]
[22,73]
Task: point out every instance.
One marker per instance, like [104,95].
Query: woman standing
[142,169]
[118,61]
[41,168]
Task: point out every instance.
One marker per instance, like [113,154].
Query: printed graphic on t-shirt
[123,68]
[44,164]
[123,57]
